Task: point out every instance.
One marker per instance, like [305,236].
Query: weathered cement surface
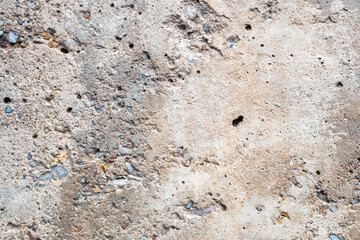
[117,119]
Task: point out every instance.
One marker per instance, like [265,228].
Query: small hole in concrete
[112,5]
[261,45]
[317,172]
[182,27]
[237,121]
[7,100]
[131,45]
[198,71]
[35,135]
[69,109]
[248,27]
[339,84]
[64,50]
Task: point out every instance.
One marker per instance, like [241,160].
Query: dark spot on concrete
[339,84]
[64,50]
[7,100]
[237,121]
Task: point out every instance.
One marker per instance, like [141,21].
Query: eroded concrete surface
[161,119]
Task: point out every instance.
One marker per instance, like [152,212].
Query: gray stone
[60,128]
[8,109]
[191,11]
[189,204]
[205,211]
[87,194]
[43,177]
[129,168]
[124,150]
[33,163]
[333,207]
[334,237]
[1,33]
[13,37]
[70,43]
[2,23]
[206,27]
[60,171]
[39,41]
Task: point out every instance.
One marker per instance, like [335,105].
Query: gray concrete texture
[181,119]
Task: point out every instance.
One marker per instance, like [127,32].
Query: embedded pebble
[189,204]
[1,33]
[145,55]
[2,23]
[39,41]
[259,208]
[334,237]
[12,37]
[129,168]
[87,194]
[33,163]
[8,109]
[123,200]
[43,177]
[70,43]
[333,207]
[60,171]
[124,150]
[206,27]
[60,128]
[205,211]
[191,11]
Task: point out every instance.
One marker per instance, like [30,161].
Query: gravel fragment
[60,171]
[189,204]
[206,27]
[191,11]
[334,237]
[2,23]
[13,37]
[333,207]
[60,128]
[39,41]
[33,163]
[124,150]
[43,177]
[205,211]
[129,168]
[8,109]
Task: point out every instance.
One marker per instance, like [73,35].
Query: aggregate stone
[191,11]
[13,37]
[124,150]
[129,168]
[8,109]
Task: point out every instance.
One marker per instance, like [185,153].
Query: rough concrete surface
[180,119]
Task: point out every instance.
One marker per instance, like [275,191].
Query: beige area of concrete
[178,119]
